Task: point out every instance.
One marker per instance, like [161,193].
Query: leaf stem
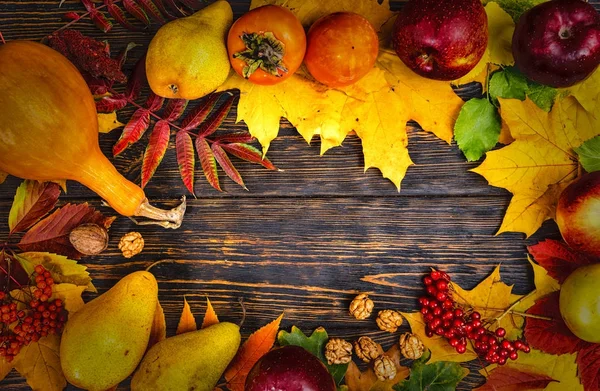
[87,13]
[513,305]
[2,38]
[8,272]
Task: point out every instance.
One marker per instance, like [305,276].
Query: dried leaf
[159,326]
[70,294]
[367,381]
[39,364]
[137,79]
[553,337]
[134,9]
[588,362]
[540,162]
[558,258]
[110,103]
[248,153]
[33,200]
[199,114]
[119,15]
[208,162]
[250,352]
[155,151]
[186,159]
[187,322]
[174,109]
[226,165]
[210,318]
[133,131]
[62,269]
[52,233]
[108,122]
[511,379]
[210,125]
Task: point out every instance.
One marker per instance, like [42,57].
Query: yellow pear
[192,361]
[105,340]
[187,58]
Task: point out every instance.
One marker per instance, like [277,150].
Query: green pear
[105,340]
[187,58]
[192,361]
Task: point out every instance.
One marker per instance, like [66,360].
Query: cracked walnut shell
[384,367]
[131,244]
[411,346]
[367,350]
[361,307]
[338,351]
[389,320]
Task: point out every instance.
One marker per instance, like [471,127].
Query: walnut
[366,349]
[411,346]
[89,239]
[384,367]
[361,307]
[389,320]
[131,244]
[338,351]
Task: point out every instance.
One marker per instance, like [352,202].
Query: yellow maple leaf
[39,364]
[544,285]
[367,381]
[70,294]
[108,122]
[561,368]
[5,368]
[439,346]
[587,93]
[540,162]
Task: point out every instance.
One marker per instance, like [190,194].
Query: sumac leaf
[174,109]
[208,162]
[71,16]
[108,104]
[101,21]
[240,137]
[154,102]
[123,55]
[152,11]
[172,5]
[155,151]
[161,7]
[226,165]
[119,15]
[213,122]
[193,4]
[185,159]
[33,200]
[137,79]
[136,11]
[248,153]
[89,6]
[199,114]
[133,131]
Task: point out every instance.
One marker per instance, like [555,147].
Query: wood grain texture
[304,240]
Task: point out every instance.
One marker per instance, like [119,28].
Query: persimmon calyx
[264,51]
[165,218]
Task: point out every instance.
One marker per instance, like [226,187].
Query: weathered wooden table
[304,240]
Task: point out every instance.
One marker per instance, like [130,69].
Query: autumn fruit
[194,360]
[187,57]
[49,129]
[105,340]
[289,368]
[341,49]
[441,40]
[266,45]
[580,302]
[557,43]
[578,214]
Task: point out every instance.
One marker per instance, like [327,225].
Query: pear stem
[241,301]
[165,218]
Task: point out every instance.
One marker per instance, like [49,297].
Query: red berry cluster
[444,318]
[38,318]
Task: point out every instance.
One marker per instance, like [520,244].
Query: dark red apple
[441,39]
[290,368]
[578,214]
[558,43]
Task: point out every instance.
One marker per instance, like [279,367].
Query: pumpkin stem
[165,218]
[263,51]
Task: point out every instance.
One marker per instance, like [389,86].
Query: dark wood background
[304,240]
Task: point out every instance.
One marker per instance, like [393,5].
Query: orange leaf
[159,327]
[210,317]
[257,345]
[186,322]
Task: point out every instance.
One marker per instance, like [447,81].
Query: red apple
[290,368]
[441,39]
[558,43]
[578,214]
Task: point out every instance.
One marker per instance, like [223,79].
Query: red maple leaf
[558,258]
[507,378]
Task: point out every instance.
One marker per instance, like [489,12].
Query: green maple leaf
[510,83]
[438,376]
[589,154]
[477,128]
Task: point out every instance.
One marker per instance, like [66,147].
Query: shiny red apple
[441,39]
[290,368]
[557,43]
[578,214]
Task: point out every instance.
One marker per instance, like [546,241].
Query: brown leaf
[159,326]
[33,201]
[257,345]
[210,318]
[187,322]
[512,379]
[39,364]
[368,381]
[52,233]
